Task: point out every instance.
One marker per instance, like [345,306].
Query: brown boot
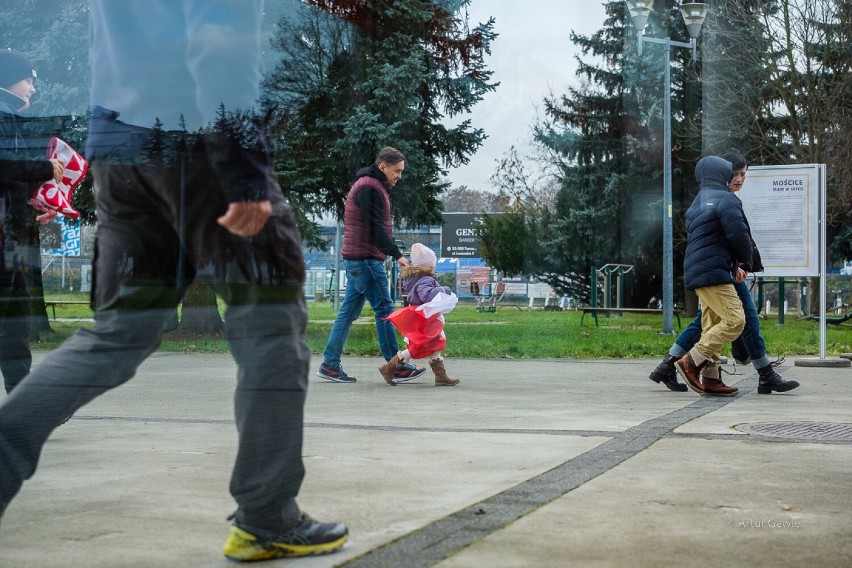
[388,369]
[713,386]
[441,377]
[691,372]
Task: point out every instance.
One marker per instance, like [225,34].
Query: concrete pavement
[526,463]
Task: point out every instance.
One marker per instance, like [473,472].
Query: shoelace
[727,372]
[776,363]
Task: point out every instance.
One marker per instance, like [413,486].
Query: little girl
[422,322]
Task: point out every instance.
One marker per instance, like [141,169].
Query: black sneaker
[665,373]
[308,538]
[338,375]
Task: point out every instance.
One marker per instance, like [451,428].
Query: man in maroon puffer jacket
[367,242]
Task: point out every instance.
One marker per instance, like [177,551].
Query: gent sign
[458,235]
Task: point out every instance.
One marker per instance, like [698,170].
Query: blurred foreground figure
[184,189]
[19,176]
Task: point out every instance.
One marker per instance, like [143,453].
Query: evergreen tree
[606,138]
[778,88]
[358,75]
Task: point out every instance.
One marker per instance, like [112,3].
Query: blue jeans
[752,339]
[365,280]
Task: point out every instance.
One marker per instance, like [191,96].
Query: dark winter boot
[771,381]
[388,369]
[665,373]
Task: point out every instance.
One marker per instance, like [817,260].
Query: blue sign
[70,231]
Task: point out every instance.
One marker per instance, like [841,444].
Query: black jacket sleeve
[34,171]
[372,208]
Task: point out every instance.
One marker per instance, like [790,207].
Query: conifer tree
[606,137]
[357,75]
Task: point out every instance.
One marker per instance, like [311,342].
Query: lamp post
[693,14]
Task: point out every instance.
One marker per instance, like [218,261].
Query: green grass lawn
[508,333]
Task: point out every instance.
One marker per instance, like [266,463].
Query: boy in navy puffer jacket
[718,245]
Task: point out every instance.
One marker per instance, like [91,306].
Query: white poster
[782,204]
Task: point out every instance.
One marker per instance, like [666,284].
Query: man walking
[367,242]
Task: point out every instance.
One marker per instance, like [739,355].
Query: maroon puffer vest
[357,242]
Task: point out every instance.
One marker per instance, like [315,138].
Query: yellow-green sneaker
[308,538]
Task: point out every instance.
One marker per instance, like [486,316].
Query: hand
[402,262]
[246,218]
[58,169]
[741,275]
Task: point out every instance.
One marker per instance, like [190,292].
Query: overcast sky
[532,56]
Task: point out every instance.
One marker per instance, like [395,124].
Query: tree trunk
[813,297]
[31,257]
[39,321]
[200,312]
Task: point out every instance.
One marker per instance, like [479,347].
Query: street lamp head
[694,14]
[639,12]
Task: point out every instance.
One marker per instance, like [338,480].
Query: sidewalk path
[526,463]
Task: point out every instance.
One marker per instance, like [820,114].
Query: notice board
[783,206]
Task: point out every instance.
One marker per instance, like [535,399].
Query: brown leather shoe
[690,372]
[715,387]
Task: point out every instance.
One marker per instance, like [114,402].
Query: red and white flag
[423,326]
[54,197]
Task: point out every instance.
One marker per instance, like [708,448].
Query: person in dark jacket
[751,341]
[423,329]
[718,248]
[19,177]
[367,242]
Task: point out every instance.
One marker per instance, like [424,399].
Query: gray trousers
[156,233]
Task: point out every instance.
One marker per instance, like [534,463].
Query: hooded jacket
[420,285]
[718,237]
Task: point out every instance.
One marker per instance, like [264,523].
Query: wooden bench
[607,311]
[53,303]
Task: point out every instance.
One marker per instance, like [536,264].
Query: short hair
[389,156]
[737,160]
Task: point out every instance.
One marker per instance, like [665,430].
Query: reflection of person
[165,207]
[718,245]
[19,176]
[367,242]
[423,330]
[751,339]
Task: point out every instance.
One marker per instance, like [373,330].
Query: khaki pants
[722,320]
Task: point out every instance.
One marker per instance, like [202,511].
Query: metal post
[668,254]
[336,275]
[822,262]
[781,297]
[594,291]
[668,274]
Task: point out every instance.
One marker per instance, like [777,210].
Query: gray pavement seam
[433,543]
